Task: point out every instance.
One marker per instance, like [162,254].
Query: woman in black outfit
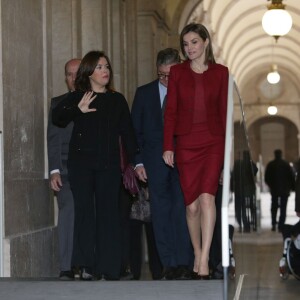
[100,116]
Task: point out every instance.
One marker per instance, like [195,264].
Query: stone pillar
[64,33]
[124,46]
[95,26]
[153,36]
[111,26]
[28,216]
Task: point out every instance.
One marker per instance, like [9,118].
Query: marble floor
[257,257]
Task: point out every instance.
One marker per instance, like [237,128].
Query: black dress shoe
[218,272]
[76,271]
[126,276]
[217,275]
[204,277]
[169,273]
[182,273]
[66,275]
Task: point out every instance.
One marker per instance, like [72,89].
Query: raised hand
[85,102]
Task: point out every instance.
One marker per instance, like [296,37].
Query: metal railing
[239,184]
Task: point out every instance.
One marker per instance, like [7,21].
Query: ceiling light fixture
[273,76]
[272,110]
[277,21]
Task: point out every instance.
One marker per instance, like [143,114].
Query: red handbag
[130,180]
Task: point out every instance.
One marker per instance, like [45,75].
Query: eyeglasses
[163,76]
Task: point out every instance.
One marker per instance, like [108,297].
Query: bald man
[58,147]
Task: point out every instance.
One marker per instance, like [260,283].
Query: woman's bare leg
[207,223]
[194,226]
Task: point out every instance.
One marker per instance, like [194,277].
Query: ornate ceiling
[241,43]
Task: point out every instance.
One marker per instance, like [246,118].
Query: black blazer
[146,114]
[58,141]
[280,178]
[95,137]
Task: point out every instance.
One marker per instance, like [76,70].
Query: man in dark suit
[58,148]
[166,198]
[280,178]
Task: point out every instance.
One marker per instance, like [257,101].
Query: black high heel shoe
[195,275]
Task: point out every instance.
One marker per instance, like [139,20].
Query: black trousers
[97,219]
[124,207]
[278,202]
[240,212]
[136,249]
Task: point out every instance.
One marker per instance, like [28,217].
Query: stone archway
[268,133]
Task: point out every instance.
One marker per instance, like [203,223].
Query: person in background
[167,204]
[196,116]
[291,231]
[280,178]
[100,115]
[58,147]
[244,188]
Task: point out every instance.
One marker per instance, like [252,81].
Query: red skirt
[200,157]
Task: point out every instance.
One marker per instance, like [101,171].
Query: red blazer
[178,118]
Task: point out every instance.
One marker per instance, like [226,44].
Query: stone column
[153,36]
[28,215]
[124,46]
[95,28]
[64,33]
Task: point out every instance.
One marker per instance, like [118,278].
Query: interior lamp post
[277,21]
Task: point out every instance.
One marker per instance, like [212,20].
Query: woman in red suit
[196,116]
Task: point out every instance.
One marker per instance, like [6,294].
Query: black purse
[140,209]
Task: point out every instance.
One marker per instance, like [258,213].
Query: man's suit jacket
[58,141]
[280,178]
[181,101]
[146,115]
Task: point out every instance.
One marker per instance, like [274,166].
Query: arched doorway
[270,133]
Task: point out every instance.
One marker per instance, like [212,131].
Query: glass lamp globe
[272,110]
[273,77]
[277,22]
